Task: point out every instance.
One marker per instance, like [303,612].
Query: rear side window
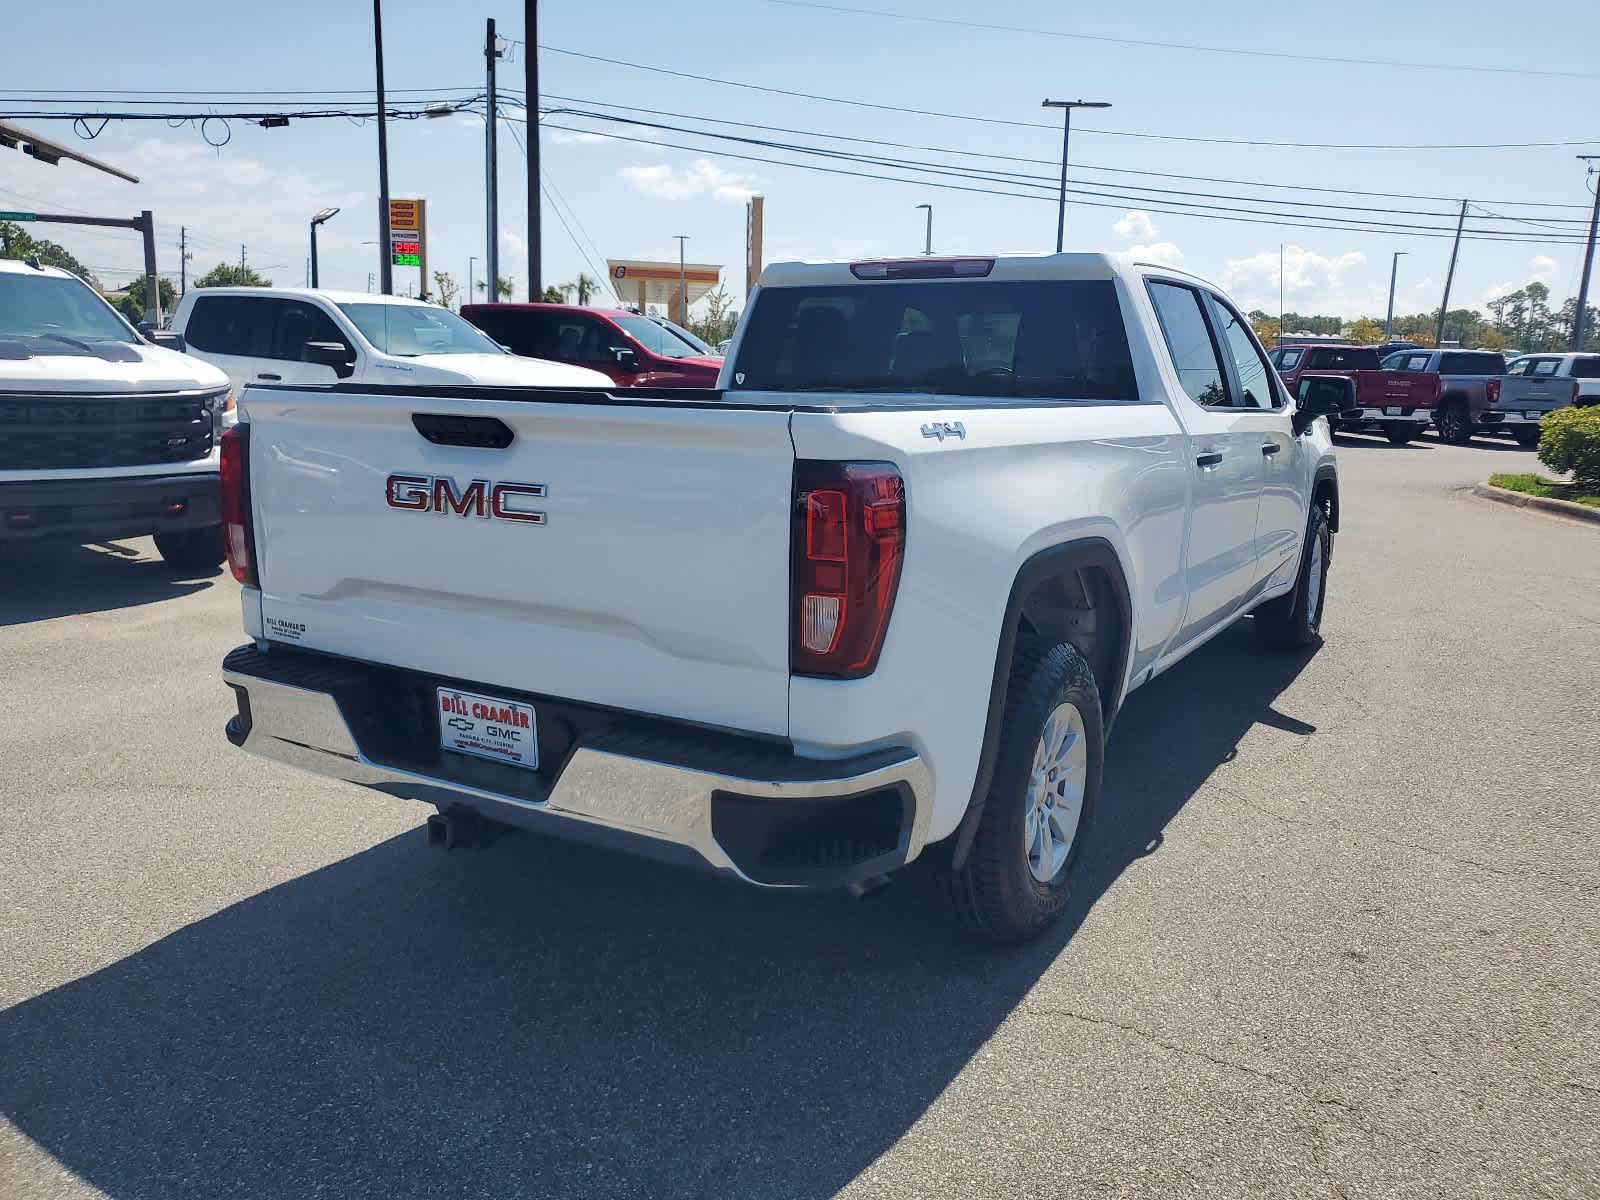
[1194,354]
[1545,367]
[1469,362]
[1056,339]
[240,325]
[1586,368]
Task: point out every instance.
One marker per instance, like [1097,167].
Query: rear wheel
[1455,423]
[1399,435]
[1294,621]
[1014,883]
[1526,438]
[193,549]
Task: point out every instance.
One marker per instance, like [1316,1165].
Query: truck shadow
[539,1019]
[42,580]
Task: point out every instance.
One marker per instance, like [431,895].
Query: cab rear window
[1471,363]
[1055,339]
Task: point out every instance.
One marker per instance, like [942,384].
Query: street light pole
[385,265]
[324,215]
[927,245]
[1066,107]
[1388,323]
[471,258]
[491,182]
[683,281]
[1588,262]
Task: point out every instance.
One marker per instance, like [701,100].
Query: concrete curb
[1562,508]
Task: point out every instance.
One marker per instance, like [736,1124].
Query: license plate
[1532,416]
[489,727]
[1392,412]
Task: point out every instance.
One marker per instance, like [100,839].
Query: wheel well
[1079,605]
[1326,495]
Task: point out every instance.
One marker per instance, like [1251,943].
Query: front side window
[1188,336]
[1255,376]
[655,338]
[42,308]
[1519,367]
[300,322]
[409,330]
[1290,359]
[567,337]
[1416,362]
[1049,339]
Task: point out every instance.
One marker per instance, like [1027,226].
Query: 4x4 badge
[944,429]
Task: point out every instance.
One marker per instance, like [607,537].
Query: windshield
[407,330]
[59,309]
[656,338]
[1053,339]
[700,347]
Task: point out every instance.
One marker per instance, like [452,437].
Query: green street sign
[16,216]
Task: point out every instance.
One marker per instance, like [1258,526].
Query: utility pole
[491,173]
[241,256]
[1388,324]
[471,258]
[152,289]
[1455,249]
[183,259]
[1588,262]
[752,235]
[385,251]
[1066,107]
[530,64]
[927,241]
[683,281]
[1280,293]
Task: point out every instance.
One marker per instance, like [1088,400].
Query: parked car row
[1461,392]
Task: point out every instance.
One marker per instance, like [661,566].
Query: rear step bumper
[742,806]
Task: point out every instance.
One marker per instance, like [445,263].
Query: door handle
[1211,458]
[269,375]
[1270,447]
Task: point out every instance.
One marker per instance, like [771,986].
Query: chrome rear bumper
[742,806]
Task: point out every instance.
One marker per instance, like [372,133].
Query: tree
[228,275]
[16,242]
[718,322]
[554,295]
[586,287]
[1366,332]
[1266,329]
[503,287]
[446,289]
[1490,338]
[132,304]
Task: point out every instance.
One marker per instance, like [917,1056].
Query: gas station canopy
[644,283]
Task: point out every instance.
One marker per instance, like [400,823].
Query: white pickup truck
[878,597]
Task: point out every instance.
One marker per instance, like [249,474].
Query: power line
[577,245]
[1054,162]
[950,116]
[1408,64]
[1255,220]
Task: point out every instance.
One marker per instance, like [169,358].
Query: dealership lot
[1339,932]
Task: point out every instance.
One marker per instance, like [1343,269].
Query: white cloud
[1161,252]
[1311,281]
[1136,224]
[701,177]
[1543,267]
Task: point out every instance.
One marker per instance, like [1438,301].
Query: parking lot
[1339,932]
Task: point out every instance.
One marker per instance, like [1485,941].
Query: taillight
[1576,391]
[849,538]
[1492,390]
[923,268]
[236,531]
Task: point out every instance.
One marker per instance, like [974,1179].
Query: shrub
[1570,441]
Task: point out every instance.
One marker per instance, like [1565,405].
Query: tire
[193,549]
[1399,435]
[1294,621]
[1526,438]
[1014,885]
[1455,423]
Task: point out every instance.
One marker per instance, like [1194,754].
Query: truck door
[1227,460]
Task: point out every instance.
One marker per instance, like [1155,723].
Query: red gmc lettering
[503,493]
[470,501]
[480,498]
[408,492]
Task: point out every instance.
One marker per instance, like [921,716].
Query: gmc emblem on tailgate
[480,498]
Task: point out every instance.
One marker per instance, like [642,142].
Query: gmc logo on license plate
[480,498]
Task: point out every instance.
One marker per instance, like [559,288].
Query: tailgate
[1525,393]
[657,581]
[1404,389]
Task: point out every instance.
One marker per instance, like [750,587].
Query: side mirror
[626,359]
[1322,396]
[331,354]
[166,339]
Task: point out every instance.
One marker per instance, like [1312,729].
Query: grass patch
[1538,485]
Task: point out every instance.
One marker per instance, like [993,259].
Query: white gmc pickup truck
[877,597]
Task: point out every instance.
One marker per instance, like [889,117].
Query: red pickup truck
[635,350]
[1398,404]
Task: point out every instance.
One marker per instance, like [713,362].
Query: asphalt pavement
[1338,932]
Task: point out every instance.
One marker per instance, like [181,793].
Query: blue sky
[261,188]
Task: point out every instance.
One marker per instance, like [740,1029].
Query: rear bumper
[1376,418]
[746,807]
[114,507]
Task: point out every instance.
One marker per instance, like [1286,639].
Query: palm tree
[586,288]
